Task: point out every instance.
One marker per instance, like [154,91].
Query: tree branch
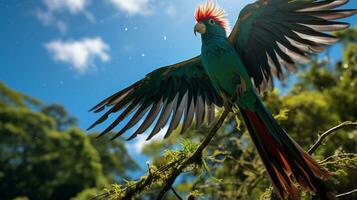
[347,193]
[329,132]
[195,157]
[176,194]
[342,155]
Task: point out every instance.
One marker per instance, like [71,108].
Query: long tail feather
[283,158]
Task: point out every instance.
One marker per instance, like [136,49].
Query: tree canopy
[43,155]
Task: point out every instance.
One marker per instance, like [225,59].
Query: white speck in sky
[143,55]
[165,38]
[126,29]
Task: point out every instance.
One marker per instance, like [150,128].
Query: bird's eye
[212,22]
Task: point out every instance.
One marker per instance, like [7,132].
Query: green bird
[269,38]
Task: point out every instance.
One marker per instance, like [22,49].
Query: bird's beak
[200,28]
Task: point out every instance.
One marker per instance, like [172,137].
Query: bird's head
[211,20]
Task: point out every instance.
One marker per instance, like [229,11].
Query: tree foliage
[43,155]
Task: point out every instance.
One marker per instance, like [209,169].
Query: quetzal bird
[269,38]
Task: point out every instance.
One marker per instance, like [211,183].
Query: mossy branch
[196,157]
[323,136]
[168,173]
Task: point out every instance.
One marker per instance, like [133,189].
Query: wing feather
[177,115]
[165,95]
[123,115]
[331,14]
[189,115]
[324,5]
[199,111]
[148,121]
[134,120]
[283,33]
[164,117]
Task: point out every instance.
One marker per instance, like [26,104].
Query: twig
[347,193]
[336,156]
[327,133]
[220,184]
[176,194]
[197,155]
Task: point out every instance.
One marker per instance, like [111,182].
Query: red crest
[210,10]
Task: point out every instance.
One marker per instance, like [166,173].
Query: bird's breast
[221,65]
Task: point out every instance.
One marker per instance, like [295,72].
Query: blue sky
[77,52]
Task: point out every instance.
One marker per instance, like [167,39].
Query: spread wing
[171,93]
[283,33]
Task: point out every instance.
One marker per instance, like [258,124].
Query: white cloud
[48,16]
[79,54]
[133,7]
[73,6]
[45,17]
[171,10]
[140,141]
[48,19]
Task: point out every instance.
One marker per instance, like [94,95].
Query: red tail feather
[284,159]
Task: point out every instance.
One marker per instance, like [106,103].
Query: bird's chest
[217,58]
[221,64]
